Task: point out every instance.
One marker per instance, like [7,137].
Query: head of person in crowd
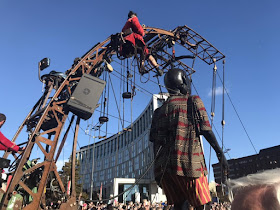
[2,119]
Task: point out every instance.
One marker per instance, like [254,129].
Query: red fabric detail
[178,137]
[202,109]
[180,153]
[186,153]
[202,187]
[183,124]
[174,112]
[200,169]
[138,33]
[135,26]
[177,99]
[197,154]
[207,123]
[7,144]
[195,97]
[180,188]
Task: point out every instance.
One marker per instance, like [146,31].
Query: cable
[213,126]
[115,98]
[239,118]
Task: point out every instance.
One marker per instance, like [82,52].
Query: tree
[65,175]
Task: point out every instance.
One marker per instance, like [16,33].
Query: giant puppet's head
[177,82]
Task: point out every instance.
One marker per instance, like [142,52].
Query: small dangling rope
[212,108]
[223,121]
[107,102]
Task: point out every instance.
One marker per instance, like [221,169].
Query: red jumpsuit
[6,144]
[138,33]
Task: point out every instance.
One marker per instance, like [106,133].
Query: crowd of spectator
[145,205]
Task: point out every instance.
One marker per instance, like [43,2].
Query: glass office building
[121,164]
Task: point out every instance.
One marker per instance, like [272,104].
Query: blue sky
[245,31]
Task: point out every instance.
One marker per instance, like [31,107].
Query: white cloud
[60,164]
[219,91]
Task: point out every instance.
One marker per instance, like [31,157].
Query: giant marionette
[180,167]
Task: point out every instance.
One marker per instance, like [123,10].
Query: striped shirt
[176,126]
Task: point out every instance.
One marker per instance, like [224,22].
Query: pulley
[127,95]
[103,119]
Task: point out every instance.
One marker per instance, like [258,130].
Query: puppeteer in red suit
[134,34]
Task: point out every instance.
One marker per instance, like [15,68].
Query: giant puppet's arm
[210,137]
[205,129]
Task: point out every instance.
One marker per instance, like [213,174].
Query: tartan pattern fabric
[175,127]
[178,189]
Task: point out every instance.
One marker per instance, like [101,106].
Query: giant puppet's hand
[210,137]
[224,165]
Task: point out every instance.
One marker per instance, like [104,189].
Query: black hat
[131,13]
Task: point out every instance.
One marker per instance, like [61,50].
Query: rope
[212,109]
[220,139]
[239,119]
[115,98]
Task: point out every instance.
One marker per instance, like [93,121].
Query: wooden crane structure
[45,121]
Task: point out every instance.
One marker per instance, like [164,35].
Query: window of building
[124,139]
[144,121]
[98,165]
[90,153]
[134,132]
[126,155]
[140,126]
[136,163]
[109,173]
[115,144]
[123,169]
[117,170]
[119,157]
[106,165]
[121,140]
[108,147]
[142,159]
[133,150]
[101,150]
[101,175]
[118,141]
[145,141]
[112,145]
[105,148]
[130,166]
[113,160]
[95,176]
[129,136]
[140,145]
